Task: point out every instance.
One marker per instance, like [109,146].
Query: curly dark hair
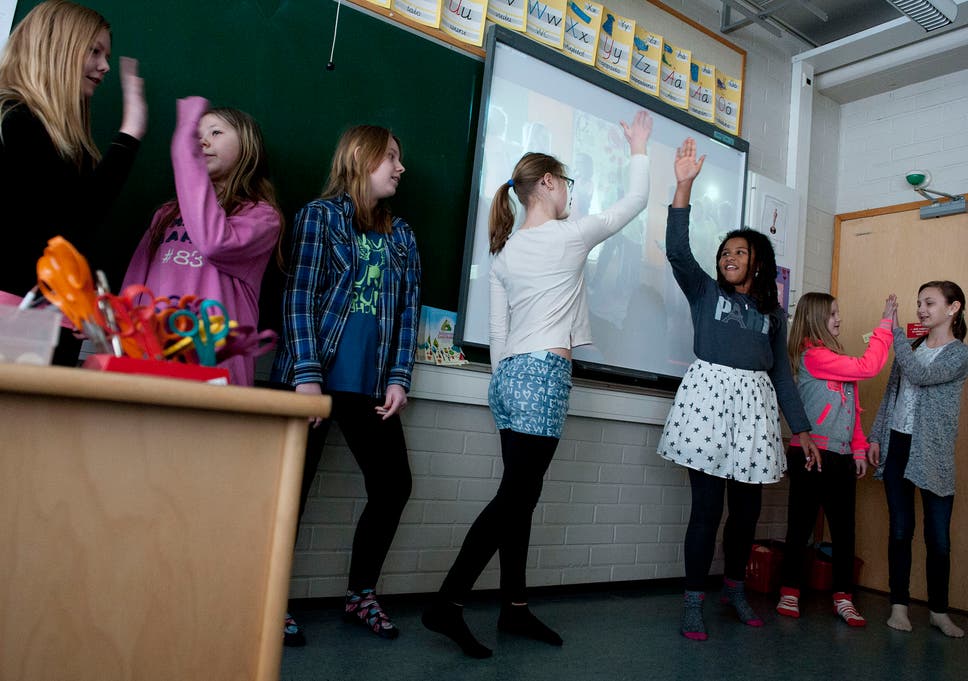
[763,268]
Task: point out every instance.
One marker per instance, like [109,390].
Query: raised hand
[637,134]
[134,116]
[890,307]
[687,166]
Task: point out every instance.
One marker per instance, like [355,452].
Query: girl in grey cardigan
[913,446]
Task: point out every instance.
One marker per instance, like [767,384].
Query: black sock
[447,618]
[518,619]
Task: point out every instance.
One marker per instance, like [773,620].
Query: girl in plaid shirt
[350,312]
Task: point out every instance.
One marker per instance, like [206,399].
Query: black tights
[381,453]
[505,523]
[744,501]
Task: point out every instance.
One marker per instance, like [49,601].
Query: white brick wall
[611,509]
[921,126]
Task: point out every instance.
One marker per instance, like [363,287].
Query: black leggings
[744,501]
[505,523]
[833,488]
[381,453]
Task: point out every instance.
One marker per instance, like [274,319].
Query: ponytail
[501,219]
[527,173]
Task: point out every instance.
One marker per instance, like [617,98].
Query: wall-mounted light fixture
[928,14]
[919,181]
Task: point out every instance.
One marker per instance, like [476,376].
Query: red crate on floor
[763,569]
[820,574]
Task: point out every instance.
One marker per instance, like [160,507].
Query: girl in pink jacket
[215,239]
[827,382]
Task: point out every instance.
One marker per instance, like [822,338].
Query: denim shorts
[529,393]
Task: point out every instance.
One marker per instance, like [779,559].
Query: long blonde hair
[41,69]
[809,327]
[527,173]
[247,182]
[359,152]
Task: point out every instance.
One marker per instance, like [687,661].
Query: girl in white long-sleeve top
[538,314]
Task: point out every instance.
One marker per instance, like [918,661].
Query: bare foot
[944,623]
[899,618]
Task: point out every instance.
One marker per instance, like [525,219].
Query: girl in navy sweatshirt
[724,425]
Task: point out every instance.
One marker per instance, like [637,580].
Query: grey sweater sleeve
[949,365]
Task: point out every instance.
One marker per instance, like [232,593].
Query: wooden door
[877,253]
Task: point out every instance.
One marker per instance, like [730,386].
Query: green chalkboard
[269,58]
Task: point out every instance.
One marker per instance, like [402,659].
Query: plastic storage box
[28,336]
[763,569]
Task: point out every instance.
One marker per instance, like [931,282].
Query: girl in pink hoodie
[215,239]
[827,382]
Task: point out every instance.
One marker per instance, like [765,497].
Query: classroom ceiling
[844,17]
[865,47]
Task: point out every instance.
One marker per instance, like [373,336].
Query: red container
[820,576]
[763,569]
[151,367]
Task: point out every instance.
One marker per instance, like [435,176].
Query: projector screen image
[535,99]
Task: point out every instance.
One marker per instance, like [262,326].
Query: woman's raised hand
[637,133]
[687,165]
[134,114]
[890,307]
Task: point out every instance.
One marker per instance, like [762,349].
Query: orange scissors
[64,278]
[138,326]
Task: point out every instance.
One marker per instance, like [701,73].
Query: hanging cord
[330,65]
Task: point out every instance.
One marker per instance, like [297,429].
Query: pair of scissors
[64,277]
[203,327]
[137,325]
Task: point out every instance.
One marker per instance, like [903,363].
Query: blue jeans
[937,524]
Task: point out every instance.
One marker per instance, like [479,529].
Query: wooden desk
[146,525]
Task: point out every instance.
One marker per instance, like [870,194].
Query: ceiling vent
[928,14]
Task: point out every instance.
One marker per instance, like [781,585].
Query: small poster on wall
[773,208]
[646,55]
[464,20]
[546,22]
[773,222]
[511,14]
[783,287]
[426,12]
[615,46]
[674,76]
[729,99]
[583,21]
[702,90]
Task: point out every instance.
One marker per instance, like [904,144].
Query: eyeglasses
[570,183]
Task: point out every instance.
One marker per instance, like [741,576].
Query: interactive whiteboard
[536,99]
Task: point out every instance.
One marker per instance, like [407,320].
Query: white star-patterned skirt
[725,422]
